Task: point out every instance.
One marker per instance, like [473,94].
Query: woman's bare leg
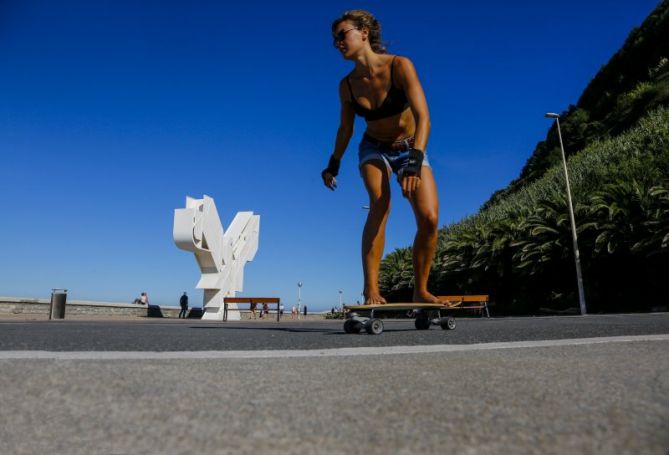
[425,204]
[376,177]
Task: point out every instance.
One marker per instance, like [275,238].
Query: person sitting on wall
[142,300]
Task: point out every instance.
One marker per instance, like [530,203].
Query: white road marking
[337,352]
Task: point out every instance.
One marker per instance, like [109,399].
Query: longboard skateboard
[360,317]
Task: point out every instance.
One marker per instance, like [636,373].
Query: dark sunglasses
[341,36]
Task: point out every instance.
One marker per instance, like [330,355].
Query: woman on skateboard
[385,90]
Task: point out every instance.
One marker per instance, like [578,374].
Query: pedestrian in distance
[183,301]
[385,90]
[253,310]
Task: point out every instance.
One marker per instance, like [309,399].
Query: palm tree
[657,242]
[396,272]
[621,212]
[547,235]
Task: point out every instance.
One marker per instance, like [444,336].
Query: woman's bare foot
[425,297]
[374,298]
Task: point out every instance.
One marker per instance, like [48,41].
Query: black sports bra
[395,102]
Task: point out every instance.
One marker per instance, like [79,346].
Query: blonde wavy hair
[362,19]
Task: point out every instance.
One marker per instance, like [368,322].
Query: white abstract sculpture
[221,256]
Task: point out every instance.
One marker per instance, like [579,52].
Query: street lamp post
[341,307]
[299,299]
[579,276]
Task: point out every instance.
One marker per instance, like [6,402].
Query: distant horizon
[114,113]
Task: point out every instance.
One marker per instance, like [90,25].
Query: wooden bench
[251,301]
[468,302]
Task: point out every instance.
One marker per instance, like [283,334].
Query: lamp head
[551,115]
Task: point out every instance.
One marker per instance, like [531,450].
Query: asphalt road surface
[195,335]
[595,384]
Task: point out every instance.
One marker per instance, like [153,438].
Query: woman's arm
[344,133]
[346,121]
[408,81]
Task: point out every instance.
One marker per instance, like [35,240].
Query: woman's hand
[329,180]
[410,178]
[330,172]
[410,184]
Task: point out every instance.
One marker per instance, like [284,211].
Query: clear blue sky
[111,112]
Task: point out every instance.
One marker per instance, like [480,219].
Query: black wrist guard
[415,162]
[333,167]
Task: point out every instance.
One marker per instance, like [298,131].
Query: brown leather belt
[398,146]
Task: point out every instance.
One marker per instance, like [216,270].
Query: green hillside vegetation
[518,248]
[520,252]
[633,82]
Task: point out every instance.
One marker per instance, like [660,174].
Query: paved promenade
[595,384]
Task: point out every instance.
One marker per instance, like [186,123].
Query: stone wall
[14,305]
[27,306]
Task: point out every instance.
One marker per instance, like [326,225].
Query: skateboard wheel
[374,326]
[352,326]
[422,323]
[447,323]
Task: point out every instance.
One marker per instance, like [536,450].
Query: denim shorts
[396,160]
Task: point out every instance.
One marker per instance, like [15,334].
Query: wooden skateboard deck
[397,306]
